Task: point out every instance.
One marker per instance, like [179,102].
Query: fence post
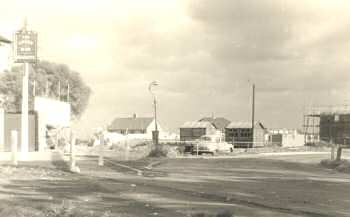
[100,157]
[14,142]
[339,150]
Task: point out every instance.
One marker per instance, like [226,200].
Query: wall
[286,138]
[12,121]
[152,127]
[335,128]
[243,138]
[191,134]
[51,112]
[5,57]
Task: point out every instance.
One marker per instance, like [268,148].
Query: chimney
[134,115]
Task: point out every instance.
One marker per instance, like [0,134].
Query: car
[211,144]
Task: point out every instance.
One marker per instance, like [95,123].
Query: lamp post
[155,133]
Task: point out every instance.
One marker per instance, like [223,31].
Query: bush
[159,151]
[344,167]
[339,165]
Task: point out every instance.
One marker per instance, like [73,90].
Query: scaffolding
[330,124]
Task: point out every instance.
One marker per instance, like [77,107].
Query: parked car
[211,144]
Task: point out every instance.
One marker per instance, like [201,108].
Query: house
[285,137]
[219,123]
[5,54]
[136,127]
[193,130]
[240,134]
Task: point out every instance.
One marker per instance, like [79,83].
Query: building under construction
[327,124]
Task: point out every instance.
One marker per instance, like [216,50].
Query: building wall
[51,112]
[191,134]
[12,121]
[152,127]
[286,138]
[335,128]
[242,137]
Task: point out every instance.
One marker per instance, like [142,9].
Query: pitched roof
[209,119]
[233,125]
[5,40]
[130,123]
[218,123]
[197,124]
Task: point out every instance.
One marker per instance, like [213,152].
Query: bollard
[100,157]
[14,143]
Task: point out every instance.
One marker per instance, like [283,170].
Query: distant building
[5,54]
[335,127]
[219,123]
[240,134]
[285,137]
[191,131]
[139,126]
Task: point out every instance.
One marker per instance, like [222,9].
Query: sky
[204,54]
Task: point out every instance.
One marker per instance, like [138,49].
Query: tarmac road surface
[263,186]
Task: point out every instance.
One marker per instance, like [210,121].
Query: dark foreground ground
[264,186]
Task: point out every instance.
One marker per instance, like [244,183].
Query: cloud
[205,54]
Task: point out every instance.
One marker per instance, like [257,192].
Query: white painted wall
[5,57]
[50,112]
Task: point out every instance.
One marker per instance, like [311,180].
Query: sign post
[25,51]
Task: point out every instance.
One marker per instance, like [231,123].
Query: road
[285,185]
[257,185]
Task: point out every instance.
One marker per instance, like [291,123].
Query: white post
[100,158]
[24,121]
[126,145]
[14,147]
[72,156]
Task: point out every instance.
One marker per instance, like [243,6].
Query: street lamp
[155,133]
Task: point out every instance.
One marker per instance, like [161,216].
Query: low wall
[33,156]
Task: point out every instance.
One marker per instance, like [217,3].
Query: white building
[286,137]
[5,54]
[135,127]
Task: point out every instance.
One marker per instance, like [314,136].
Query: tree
[45,79]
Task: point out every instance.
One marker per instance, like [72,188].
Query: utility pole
[155,133]
[253,114]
